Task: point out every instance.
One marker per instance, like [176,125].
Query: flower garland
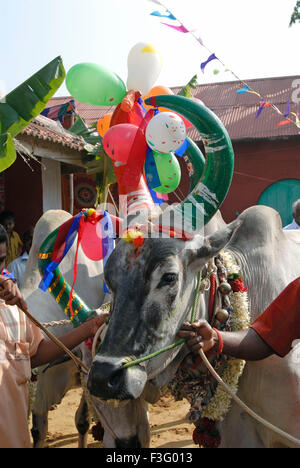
[210,402]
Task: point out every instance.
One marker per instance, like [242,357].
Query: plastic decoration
[144,66]
[165,132]
[93,84]
[103,124]
[169,172]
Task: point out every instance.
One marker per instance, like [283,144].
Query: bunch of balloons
[134,134]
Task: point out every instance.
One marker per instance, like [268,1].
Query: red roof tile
[49,130]
[236,111]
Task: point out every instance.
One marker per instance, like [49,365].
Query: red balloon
[118,141]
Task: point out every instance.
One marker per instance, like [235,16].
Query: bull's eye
[168,279]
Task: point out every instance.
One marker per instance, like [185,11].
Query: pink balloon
[118,141]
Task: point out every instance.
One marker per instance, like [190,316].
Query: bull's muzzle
[108,381]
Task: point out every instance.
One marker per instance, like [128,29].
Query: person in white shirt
[17,266]
[296,215]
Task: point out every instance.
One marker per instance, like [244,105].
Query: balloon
[169,172]
[144,66]
[104,124]
[165,132]
[118,141]
[92,84]
[157,91]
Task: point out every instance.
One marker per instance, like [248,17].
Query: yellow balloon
[103,124]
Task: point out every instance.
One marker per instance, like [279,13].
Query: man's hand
[10,292]
[199,335]
[96,323]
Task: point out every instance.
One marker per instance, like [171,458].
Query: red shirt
[279,325]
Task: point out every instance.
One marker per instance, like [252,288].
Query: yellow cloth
[14,246]
[19,340]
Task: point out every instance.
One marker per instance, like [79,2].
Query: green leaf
[186,90]
[88,134]
[8,153]
[27,101]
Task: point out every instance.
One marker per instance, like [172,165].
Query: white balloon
[144,66]
[165,132]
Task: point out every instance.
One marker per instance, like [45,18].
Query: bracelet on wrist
[220,342]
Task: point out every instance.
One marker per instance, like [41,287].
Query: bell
[222,315]
[225,288]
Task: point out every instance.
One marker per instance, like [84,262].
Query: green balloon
[169,172]
[92,84]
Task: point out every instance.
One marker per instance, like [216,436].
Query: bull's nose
[107,380]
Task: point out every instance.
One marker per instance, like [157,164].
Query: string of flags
[164,12]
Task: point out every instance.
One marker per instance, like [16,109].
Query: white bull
[144,293]
[56,381]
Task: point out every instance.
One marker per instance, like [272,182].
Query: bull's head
[152,286]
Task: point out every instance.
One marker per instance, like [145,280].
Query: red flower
[207,425]
[205,440]
[138,242]
[237,285]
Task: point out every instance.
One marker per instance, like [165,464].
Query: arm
[245,344]
[49,351]
[10,293]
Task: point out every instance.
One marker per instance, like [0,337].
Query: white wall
[51,178]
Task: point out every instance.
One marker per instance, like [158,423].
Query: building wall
[258,164]
[23,193]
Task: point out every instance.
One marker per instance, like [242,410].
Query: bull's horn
[59,288]
[209,192]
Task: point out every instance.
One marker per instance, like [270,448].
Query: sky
[252,38]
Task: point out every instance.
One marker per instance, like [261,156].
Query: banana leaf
[90,135]
[186,90]
[26,102]
[8,153]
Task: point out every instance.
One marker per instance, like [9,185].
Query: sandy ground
[169,429]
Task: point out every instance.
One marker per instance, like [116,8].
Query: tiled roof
[236,111]
[50,130]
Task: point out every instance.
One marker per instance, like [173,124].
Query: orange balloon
[103,124]
[157,91]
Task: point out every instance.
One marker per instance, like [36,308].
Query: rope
[178,343]
[57,324]
[245,407]
[80,365]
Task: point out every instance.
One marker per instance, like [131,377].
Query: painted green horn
[208,193]
[59,288]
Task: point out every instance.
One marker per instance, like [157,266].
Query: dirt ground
[169,428]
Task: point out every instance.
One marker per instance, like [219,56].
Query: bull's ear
[201,250]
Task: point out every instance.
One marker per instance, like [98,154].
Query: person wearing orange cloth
[273,332]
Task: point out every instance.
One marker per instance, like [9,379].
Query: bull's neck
[257,277]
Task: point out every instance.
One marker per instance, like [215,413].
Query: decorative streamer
[168,15]
[210,59]
[247,88]
[243,90]
[182,149]
[283,122]
[181,28]
[263,104]
[287,110]
[151,173]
